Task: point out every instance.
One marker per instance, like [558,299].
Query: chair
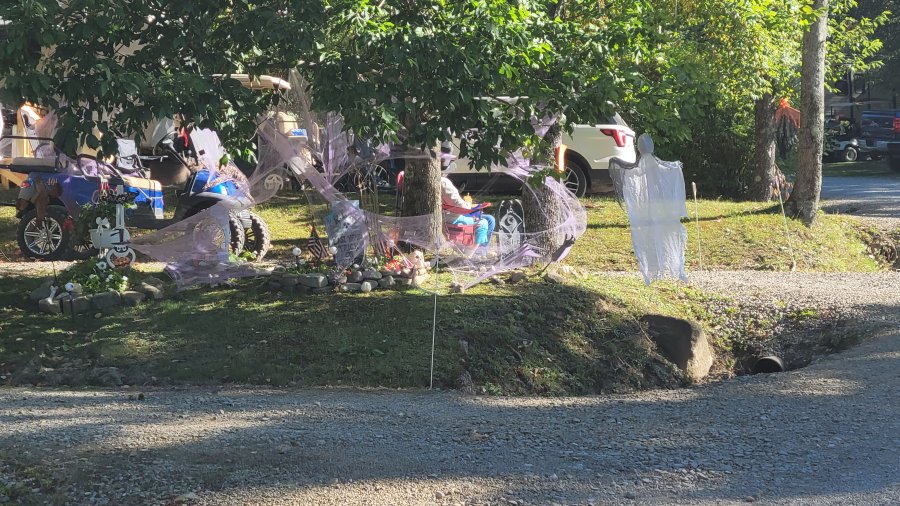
[462,235]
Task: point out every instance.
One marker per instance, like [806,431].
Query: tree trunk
[804,200]
[422,193]
[542,208]
[765,130]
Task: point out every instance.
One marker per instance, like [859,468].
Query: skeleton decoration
[114,243]
[654,195]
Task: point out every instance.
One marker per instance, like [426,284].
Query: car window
[614,120]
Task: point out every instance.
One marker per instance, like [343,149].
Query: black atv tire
[47,241]
[258,239]
[236,229]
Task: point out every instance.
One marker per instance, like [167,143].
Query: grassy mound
[536,337]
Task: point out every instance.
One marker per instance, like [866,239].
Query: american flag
[315,247]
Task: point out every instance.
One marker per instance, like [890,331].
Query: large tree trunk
[542,208]
[422,192]
[764,159]
[804,201]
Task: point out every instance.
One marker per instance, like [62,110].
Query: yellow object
[561,158]
[144,184]
[8,178]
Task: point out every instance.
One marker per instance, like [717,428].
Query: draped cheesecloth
[655,198]
[195,249]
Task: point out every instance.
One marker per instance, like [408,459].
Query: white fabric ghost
[656,200]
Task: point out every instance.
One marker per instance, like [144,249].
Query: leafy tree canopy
[116,65]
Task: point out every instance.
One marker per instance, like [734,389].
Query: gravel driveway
[877,199]
[826,434]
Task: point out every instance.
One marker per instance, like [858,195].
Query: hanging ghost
[655,198]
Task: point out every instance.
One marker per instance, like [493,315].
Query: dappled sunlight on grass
[734,235]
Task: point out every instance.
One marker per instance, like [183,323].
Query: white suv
[589,149]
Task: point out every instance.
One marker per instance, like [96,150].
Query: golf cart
[56,189]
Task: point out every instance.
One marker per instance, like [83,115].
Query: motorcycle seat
[24,165]
[142,183]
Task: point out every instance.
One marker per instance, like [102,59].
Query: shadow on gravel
[831,429]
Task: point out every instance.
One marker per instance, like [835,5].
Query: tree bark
[542,208]
[422,193]
[764,157]
[804,200]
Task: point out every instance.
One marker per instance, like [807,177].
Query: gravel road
[876,199]
[826,434]
[863,295]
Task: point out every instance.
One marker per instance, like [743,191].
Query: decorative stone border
[150,288]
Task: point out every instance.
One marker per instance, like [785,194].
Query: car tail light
[618,135]
[897,125]
[561,158]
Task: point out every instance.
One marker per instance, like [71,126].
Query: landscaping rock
[289,280]
[351,287]
[683,342]
[41,292]
[321,290]
[49,306]
[106,300]
[151,290]
[355,277]
[78,305]
[516,277]
[367,286]
[386,281]
[154,281]
[273,285]
[336,278]
[132,298]
[371,274]
[313,280]
[555,278]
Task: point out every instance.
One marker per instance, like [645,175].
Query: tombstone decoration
[510,225]
[114,243]
[348,232]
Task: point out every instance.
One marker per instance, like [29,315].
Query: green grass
[872,168]
[586,341]
[579,337]
[8,222]
[735,235]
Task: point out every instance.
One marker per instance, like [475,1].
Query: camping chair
[462,235]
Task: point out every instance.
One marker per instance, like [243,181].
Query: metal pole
[437,263]
[787,231]
[697,216]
